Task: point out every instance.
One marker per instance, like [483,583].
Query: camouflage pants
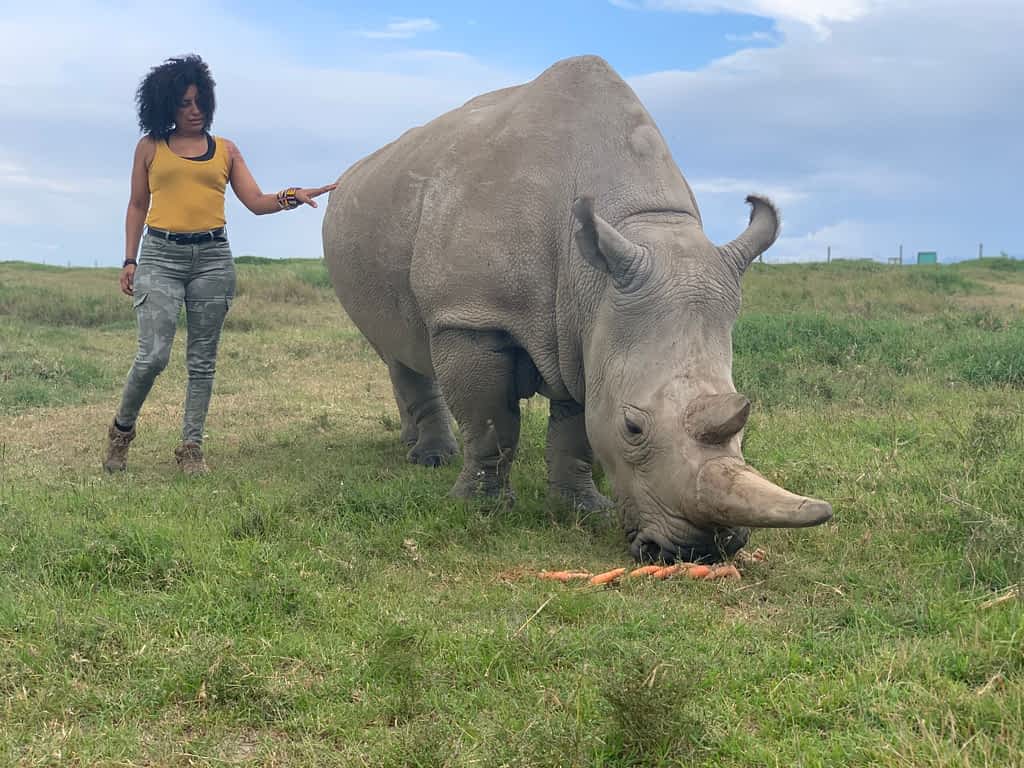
[202,277]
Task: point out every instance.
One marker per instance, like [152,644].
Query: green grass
[318,601]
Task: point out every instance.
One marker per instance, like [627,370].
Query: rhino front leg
[570,458]
[476,371]
[426,422]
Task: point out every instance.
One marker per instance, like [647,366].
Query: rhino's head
[662,413]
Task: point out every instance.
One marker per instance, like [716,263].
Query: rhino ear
[762,231]
[604,248]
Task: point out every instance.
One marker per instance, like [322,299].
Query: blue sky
[871,122]
[523,36]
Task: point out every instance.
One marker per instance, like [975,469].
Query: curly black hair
[161,91]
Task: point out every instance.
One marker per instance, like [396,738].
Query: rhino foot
[588,500]
[434,453]
[484,486]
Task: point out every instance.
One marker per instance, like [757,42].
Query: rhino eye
[634,424]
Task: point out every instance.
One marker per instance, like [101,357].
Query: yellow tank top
[187,195]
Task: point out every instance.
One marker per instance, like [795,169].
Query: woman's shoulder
[146,147]
[231,150]
[228,144]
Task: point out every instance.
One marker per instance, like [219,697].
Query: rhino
[540,239]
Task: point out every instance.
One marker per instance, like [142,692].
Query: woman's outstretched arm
[253,198]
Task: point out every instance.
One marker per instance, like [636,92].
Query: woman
[177,191]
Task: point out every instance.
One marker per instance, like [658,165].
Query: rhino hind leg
[426,421]
[476,370]
[570,458]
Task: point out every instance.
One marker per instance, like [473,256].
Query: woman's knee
[153,364]
[201,367]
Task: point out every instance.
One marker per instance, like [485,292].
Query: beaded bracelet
[286,199]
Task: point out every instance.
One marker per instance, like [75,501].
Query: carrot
[563,576]
[668,571]
[757,556]
[645,570]
[698,572]
[724,572]
[607,577]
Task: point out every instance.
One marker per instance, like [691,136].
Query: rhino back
[466,222]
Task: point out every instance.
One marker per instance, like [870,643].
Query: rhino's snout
[702,547]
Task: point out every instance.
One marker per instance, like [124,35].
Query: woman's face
[189,118]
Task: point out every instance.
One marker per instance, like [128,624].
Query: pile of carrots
[690,570]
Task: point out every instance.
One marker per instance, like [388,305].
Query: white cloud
[737,189]
[401,29]
[815,13]
[847,239]
[903,125]
[878,124]
[420,55]
[69,118]
[753,37]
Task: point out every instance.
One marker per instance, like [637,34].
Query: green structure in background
[927,257]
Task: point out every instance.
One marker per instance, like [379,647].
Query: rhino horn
[716,418]
[604,247]
[733,494]
[758,236]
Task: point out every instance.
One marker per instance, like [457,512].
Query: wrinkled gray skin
[540,239]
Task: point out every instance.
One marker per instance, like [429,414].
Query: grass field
[318,601]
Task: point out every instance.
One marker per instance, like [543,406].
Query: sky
[871,123]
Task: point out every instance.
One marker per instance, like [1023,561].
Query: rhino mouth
[712,546]
[668,536]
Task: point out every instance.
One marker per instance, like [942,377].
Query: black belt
[189,238]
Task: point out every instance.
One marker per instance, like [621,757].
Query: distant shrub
[941,280]
[286,289]
[1003,264]
[865,288]
[47,305]
[297,281]
[315,273]
[849,266]
[258,260]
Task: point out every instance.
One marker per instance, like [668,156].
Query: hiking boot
[190,459]
[117,448]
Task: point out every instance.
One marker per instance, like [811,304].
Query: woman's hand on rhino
[306,195]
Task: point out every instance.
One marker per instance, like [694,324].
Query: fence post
[901,254]
[828,255]
[980,251]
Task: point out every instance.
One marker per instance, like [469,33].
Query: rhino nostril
[650,552]
[647,550]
